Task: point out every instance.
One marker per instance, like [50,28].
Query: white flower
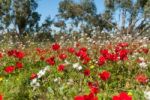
[143,65]
[141,58]
[33,82]
[37,84]
[147,95]
[79,68]
[46,68]
[41,73]
[76,65]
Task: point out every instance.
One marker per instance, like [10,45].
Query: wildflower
[19,65]
[142,78]
[50,60]
[104,75]
[86,59]
[76,65]
[123,54]
[79,98]
[61,68]
[33,76]
[93,87]
[62,56]
[83,49]
[46,68]
[102,60]
[112,57]
[79,68]
[19,54]
[140,60]
[40,73]
[71,50]
[34,83]
[11,52]
[147,95]
[122,96]
[9,69]
[104,52]
[55,46]
[87,72]
[143,65]
[90,96]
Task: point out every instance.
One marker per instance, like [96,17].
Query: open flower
[90,96]
[143,65]
[105,75]
[50,60]
[101,60]
[55,46]
[62,56]
[61,68]
[9,69]
[41,73]
[122,96]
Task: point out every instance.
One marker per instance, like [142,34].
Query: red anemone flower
[19,65]
[55,46]
[105,75]
[62,56]
[61,68]
[33,76]
[9,69]
[102,60]
[122,96]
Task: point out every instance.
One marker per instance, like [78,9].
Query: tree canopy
[125,16]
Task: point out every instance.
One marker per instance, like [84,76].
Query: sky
[50,8]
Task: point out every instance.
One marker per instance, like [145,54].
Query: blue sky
[50,7]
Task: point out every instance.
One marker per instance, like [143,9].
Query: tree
[25,16]
[46,26]
[20,14]
[84,14]
[132,18]
[5,15]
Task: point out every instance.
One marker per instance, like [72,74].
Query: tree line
[120,16]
